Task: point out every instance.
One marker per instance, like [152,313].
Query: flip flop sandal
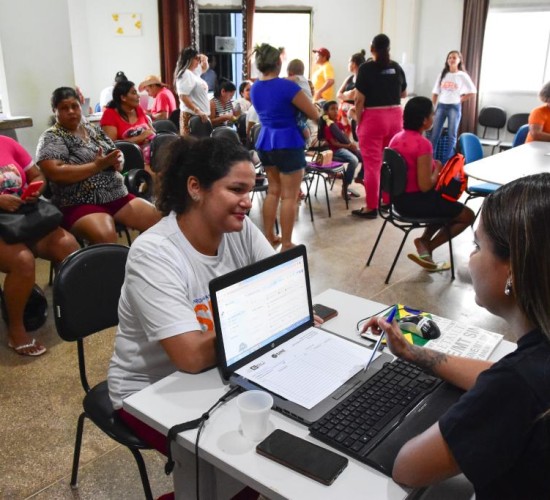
[421,261]
[18,349]
[441,266]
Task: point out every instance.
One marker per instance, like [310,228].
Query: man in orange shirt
[539,119]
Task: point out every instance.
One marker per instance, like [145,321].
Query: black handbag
[31,221]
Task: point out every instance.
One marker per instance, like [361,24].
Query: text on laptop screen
[261,309]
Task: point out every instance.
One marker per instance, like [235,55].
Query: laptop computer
[264,309]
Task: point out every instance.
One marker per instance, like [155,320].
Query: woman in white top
[191,88]
[165,317]
[452,88]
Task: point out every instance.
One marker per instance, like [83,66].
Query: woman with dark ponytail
[497,432]
[380,85]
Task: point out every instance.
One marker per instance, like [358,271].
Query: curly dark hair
[208,160]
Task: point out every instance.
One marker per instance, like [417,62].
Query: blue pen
[392,314]
[382,335]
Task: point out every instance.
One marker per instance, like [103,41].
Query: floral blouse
[57,143]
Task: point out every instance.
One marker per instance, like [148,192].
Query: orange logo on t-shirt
[204,316]
[449,85]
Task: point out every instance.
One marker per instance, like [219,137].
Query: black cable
[194,424]
[372,315]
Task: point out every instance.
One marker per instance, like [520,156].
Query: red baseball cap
[323,51]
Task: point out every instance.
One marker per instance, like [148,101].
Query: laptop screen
[260,306]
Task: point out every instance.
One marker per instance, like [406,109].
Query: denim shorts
[287,161]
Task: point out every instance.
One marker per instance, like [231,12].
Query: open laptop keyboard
[372,411]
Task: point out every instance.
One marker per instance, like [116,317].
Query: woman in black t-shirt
[498,433]
[380,85]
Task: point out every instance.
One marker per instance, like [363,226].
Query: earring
[508,287]
[195,197]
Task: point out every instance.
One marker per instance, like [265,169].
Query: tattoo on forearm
[428,360]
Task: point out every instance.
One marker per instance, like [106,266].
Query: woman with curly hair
[165,317]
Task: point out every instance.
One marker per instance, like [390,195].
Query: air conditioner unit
[225,44]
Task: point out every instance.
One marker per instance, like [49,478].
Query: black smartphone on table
[324,312]
[302,456]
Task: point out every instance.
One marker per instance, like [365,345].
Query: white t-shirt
[106,96]
[242,104]
[165,293]
[196,88]
[252,116]
[453,86]
[302,81]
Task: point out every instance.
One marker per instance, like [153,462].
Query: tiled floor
[41,398]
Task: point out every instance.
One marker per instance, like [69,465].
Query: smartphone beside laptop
[302,456]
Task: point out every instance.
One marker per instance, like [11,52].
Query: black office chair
[175,118]
[393,181]
[133,157]
[136,179]
[86,291]
[491,117]
[227,133]
[514,123]
[165,126]
[158,149]
[198,128]
[241,128]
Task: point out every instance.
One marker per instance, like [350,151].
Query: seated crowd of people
[198,229]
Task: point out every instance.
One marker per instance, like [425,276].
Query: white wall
[99,53]
[439,31]
[37,54]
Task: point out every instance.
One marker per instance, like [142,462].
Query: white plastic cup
[254,407]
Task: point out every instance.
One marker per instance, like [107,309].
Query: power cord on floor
[194,424]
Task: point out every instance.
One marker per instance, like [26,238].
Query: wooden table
[8,124]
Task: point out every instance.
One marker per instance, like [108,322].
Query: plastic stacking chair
[491,117]
[521,135]
[86,291]
[227,133]
[198,128]
[470,146]
[161,126]
[393,181]
[512,126]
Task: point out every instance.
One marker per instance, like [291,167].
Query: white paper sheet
[309,367]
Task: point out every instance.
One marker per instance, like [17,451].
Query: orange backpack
[452,180]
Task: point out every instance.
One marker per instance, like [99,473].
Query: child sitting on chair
[342,148]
